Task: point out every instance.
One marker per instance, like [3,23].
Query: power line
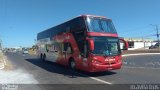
[157,32]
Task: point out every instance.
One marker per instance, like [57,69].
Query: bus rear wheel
[41,56]
[44,58]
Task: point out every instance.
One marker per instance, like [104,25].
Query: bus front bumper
[99,67]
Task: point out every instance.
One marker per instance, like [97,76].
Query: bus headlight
[96,62]
[119,60]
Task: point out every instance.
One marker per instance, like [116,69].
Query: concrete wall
[137,45]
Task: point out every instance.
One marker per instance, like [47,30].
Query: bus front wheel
[72,64]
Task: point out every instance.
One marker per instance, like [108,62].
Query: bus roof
[89,15]
[83,15]
[49,32]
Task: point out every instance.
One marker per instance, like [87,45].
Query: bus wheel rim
[72,65]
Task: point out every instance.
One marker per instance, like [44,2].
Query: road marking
[139,67]
[137,55]
[97,79]
[106,82]
[140,54]
[101,80]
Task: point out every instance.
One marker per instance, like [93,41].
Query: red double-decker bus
[87,42]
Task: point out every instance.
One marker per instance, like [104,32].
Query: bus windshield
[101,25]
[106,46]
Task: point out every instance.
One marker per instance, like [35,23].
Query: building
[139,43]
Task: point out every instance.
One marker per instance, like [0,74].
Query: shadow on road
[56,68]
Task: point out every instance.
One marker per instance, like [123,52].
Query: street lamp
[156,26]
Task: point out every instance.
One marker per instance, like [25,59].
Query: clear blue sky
[21,20]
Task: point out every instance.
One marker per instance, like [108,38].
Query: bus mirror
[123,44]
[91,44]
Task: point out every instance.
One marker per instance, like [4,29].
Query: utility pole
[143,42]
[157,33]
[0,43]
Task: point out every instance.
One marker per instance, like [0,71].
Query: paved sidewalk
[17,76]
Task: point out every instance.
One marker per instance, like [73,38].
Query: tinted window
[131,44]
[74,25]
[79,33]
[67,47]
[106,46]
[95,25]
[101,25]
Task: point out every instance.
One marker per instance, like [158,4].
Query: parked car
[25,51]
[157,45]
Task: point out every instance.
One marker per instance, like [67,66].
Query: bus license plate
[111,60]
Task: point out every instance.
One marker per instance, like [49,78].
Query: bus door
[67,52]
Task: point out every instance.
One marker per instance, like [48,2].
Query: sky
[21,20]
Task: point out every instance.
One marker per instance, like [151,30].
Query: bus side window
[47,47]
[55,48]
[67,48]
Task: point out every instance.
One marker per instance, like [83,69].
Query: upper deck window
[101,25]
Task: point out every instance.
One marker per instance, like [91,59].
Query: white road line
[106,82]
[140,54]
[97,79]
[140,67]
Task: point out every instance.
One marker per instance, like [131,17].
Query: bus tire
[44,58]
[72,64]
[41,56]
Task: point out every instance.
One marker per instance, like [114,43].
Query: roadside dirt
[5,63]
[10,75]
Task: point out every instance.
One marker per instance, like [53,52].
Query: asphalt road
[144,69]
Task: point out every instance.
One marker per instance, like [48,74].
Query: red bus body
[79,50]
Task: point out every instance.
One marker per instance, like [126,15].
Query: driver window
[67,47]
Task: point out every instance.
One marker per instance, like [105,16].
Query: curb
[125,55]
[2,65]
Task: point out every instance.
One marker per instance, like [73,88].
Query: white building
[139,43]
